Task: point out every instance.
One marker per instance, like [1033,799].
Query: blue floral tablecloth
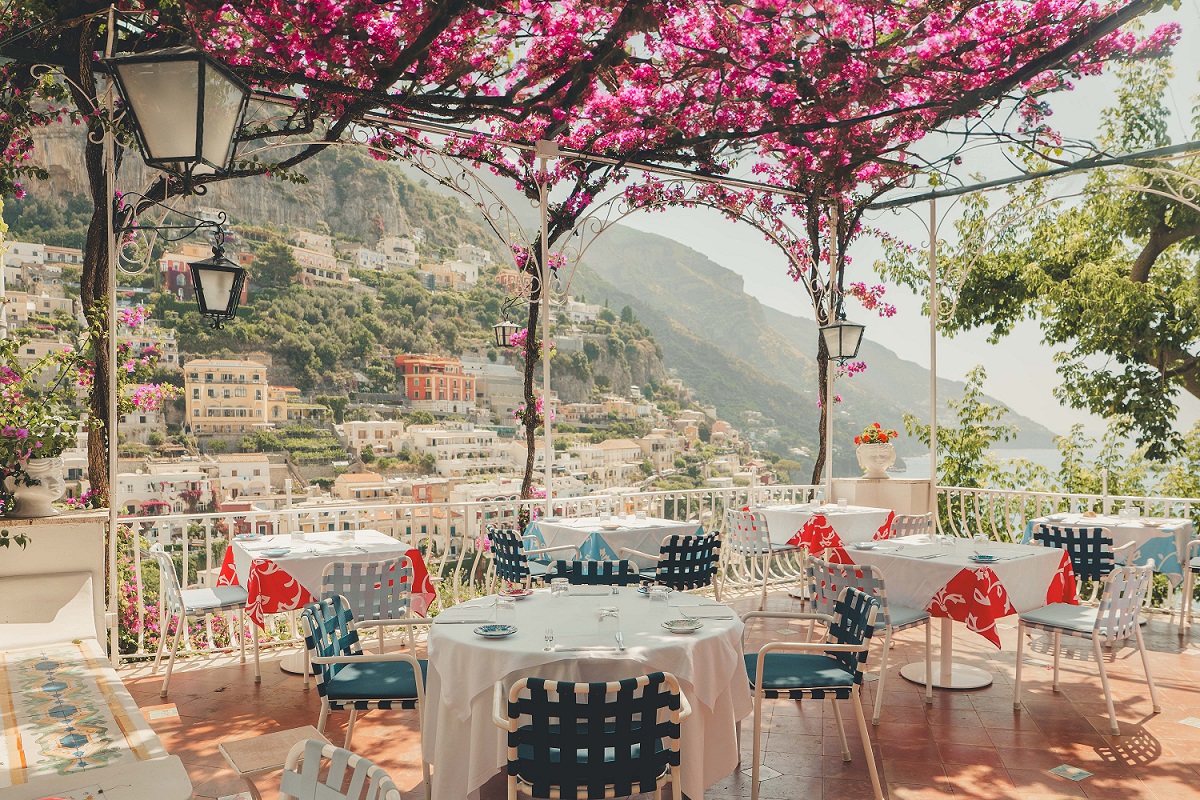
[1162,540]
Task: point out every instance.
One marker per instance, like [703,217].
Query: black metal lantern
[186,109]
[218,285]
[504,331]
[842,338]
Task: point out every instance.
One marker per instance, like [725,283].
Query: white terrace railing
[449,536]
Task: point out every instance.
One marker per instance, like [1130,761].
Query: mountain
[742,356]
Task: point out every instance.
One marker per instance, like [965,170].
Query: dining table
[1163,540]
[469,749]
[973,583]
[602,538]
[820,526]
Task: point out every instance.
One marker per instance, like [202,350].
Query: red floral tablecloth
[271,588]
[819,538]
[947,584]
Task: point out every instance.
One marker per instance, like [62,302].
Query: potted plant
[875,451]
[39,418]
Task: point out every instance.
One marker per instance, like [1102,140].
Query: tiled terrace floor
[967,744]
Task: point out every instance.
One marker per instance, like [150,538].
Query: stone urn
[875,459]
[36,500]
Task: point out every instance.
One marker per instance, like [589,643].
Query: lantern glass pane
[222,103]
[164,98]
[216,284]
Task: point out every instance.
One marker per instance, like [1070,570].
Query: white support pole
[545,151]
[933,323]
[114,503]
[830,370]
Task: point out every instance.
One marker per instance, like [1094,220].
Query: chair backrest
[1090,549]
[746,533]
[329,631]
[349,776]
[827,581]
[854,617]
[508,554]
[375,590]
[604,573]
[172,592]
[912,524]
[688,562]
[582,739]
[1124,590]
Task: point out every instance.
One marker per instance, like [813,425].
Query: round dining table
[467,748]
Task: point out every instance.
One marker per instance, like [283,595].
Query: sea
[917,467]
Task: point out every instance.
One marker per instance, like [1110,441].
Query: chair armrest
[826,618]
[811,647]
[366,658]
[685,708]
[498,716]
[629,551]
[556,549]
[1193,547]
[379,623]
[1122,548]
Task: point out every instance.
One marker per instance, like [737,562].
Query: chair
[185,604]
[592,740]
[349,776]
[911,525]
[379,592]
[1115,619]
[596,573]
[1090,549]
[833,668]
[683,562]
[512,557]
[747,536]
[349,679]
[1191,566]
[827,580]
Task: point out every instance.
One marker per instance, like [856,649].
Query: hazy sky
[1020,368]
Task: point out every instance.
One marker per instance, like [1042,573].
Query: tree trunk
[93,291]
[823,447]
[532,345]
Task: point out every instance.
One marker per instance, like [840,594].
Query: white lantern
[218,284]
[842,338]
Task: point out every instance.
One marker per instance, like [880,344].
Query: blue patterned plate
[494,631]
[248,537]
[683,625]
[645,589]
[983,559]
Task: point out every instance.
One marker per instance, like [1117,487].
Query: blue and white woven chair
[911,525]
[1191,567]
[827,581]
[831,669]
[683,562]
[379,593]
[1113,621]
[748,539]
[349,679]
[184,604]
[595,573]
[592,740]
[1090,549]
[518,563]
[348,777]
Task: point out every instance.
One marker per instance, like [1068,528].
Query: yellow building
[225,396]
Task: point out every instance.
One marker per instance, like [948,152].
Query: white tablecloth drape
[467,748]
[602,539]
[852,523]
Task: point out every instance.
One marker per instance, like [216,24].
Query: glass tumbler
[559,587]
[980,541]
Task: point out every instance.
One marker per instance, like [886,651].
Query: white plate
[275,552]
[494,631]
[683,625]
[611,526]
[865,545]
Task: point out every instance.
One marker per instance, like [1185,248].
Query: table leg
[949,674]
[293,664]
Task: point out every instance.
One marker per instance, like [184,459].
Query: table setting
[602,538]
[1163,540]
[581,633]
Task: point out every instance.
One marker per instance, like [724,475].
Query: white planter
[35,501]
[875,459]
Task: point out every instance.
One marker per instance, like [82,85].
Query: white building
[467,269]
[310,240]
[151,335]
[243,474]
[459,449]
[366,258]
[384,437]
[19,253]
[21,306]
[400,251]
[317,266]
[168,487]
[137,425]
[499,387]
[576,311]
[471,254]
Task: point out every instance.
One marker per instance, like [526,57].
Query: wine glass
[548,636]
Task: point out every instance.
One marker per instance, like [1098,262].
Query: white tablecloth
[1163,541]
[852,523]
[467,748]
[603,539]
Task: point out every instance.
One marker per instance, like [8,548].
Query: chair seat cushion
[1081,619]
[534,768]
[782,671]
[197,600]
[376,680]
[1194,564]
[903,616]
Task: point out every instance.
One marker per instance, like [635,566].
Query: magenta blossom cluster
[872,298]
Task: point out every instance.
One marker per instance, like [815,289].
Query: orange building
[426,377]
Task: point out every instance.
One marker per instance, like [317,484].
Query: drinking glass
[506,611]
[843,502]
[640,515]
[559,587]
[610,619]
[548,637]
[981,543]
[819,497]
[658,594]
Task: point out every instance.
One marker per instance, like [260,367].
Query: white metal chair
[349,776]
[1191,566]
[747,538]
[827,581]
[912,524]
[830,669]
[185,604]
[1113,621]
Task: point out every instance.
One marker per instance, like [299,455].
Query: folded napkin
[589,591]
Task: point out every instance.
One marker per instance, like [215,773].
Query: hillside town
[235,440]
